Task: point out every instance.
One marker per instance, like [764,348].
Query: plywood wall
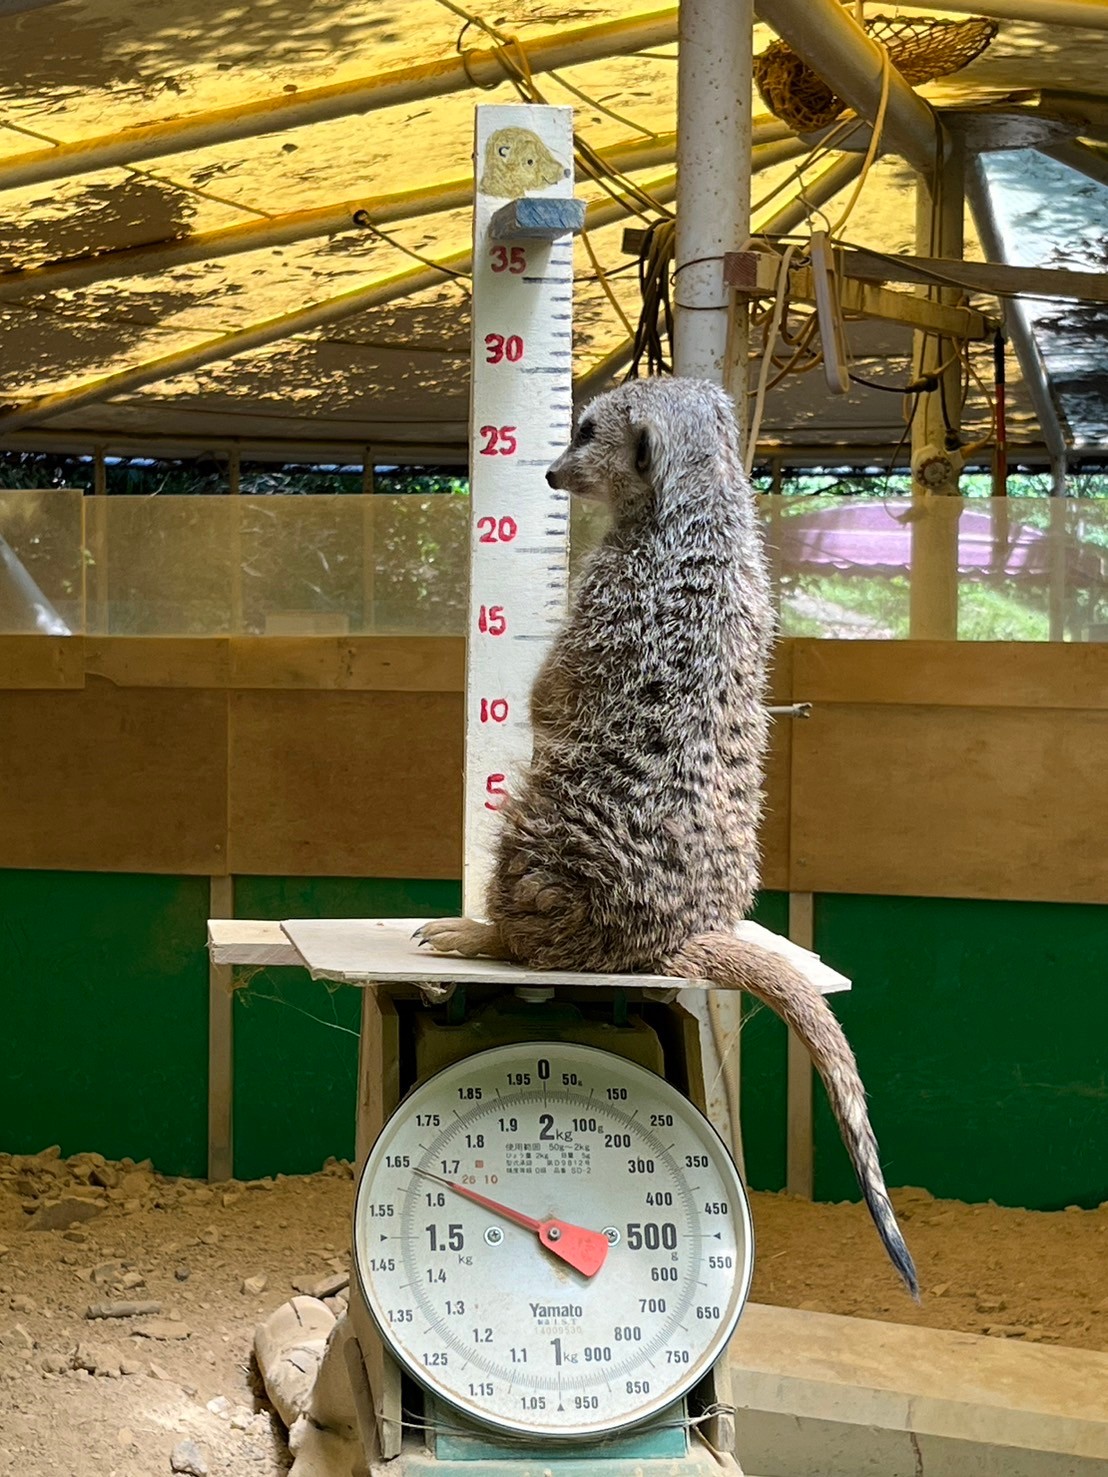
[926,769]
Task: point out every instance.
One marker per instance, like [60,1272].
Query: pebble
[158,1373]
[990,1304]
[210,1237]
[187,1457]
[16,1337]
[59,1215]
[182,1274]
[322,1287]
[255,1286]
[163,1328]
[123,1310]
[21,1303]
[220,1405]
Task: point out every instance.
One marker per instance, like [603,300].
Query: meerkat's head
[650,445]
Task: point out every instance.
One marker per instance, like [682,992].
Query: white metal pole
[933,583]
[714,79]
[714,66]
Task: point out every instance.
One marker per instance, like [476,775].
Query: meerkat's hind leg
[464,936]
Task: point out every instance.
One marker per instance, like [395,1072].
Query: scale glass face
[552,1239]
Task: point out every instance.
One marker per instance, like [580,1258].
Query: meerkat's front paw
[462,936]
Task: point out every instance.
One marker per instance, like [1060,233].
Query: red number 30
[499,347]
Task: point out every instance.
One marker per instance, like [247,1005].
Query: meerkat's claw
[462,936]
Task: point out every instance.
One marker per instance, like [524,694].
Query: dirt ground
[85,1396]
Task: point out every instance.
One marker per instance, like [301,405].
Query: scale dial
[552,1239]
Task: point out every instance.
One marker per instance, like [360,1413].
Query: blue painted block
[530,219]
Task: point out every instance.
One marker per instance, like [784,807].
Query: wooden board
[41,661]
[973,674]
[221,1005]
[774,836]
[373,663]
[104,780]
[954,802]
[259,942]
[346,784]
[382,950]
[159,661]
[363,950]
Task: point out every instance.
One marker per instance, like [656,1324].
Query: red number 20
[497,530]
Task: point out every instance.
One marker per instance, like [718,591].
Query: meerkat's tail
[743,965]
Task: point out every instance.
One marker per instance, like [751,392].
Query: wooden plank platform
[367,950]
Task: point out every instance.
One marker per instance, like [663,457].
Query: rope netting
[919,48]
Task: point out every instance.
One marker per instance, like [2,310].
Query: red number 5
[494,785]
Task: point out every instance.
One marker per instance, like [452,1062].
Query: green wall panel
[980,1030]
[104,989]
[764,1053]
[296,1039]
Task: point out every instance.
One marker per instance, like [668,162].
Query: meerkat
[631,842]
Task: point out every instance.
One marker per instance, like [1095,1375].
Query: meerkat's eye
[586,431]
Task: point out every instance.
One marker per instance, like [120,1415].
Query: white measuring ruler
[521,411]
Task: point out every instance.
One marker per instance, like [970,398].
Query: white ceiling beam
[71,273]
[825,35]
[286,325]
[303,225]
[1090,13]
[481,67]
[1089,162]
[1017,321]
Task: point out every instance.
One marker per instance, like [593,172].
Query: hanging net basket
[920,50]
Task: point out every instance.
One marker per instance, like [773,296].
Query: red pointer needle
[585,1251]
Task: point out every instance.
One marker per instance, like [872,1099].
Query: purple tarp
[875,538]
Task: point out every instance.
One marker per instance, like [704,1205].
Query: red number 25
[499,441]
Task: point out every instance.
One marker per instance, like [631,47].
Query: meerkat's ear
[643,434]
